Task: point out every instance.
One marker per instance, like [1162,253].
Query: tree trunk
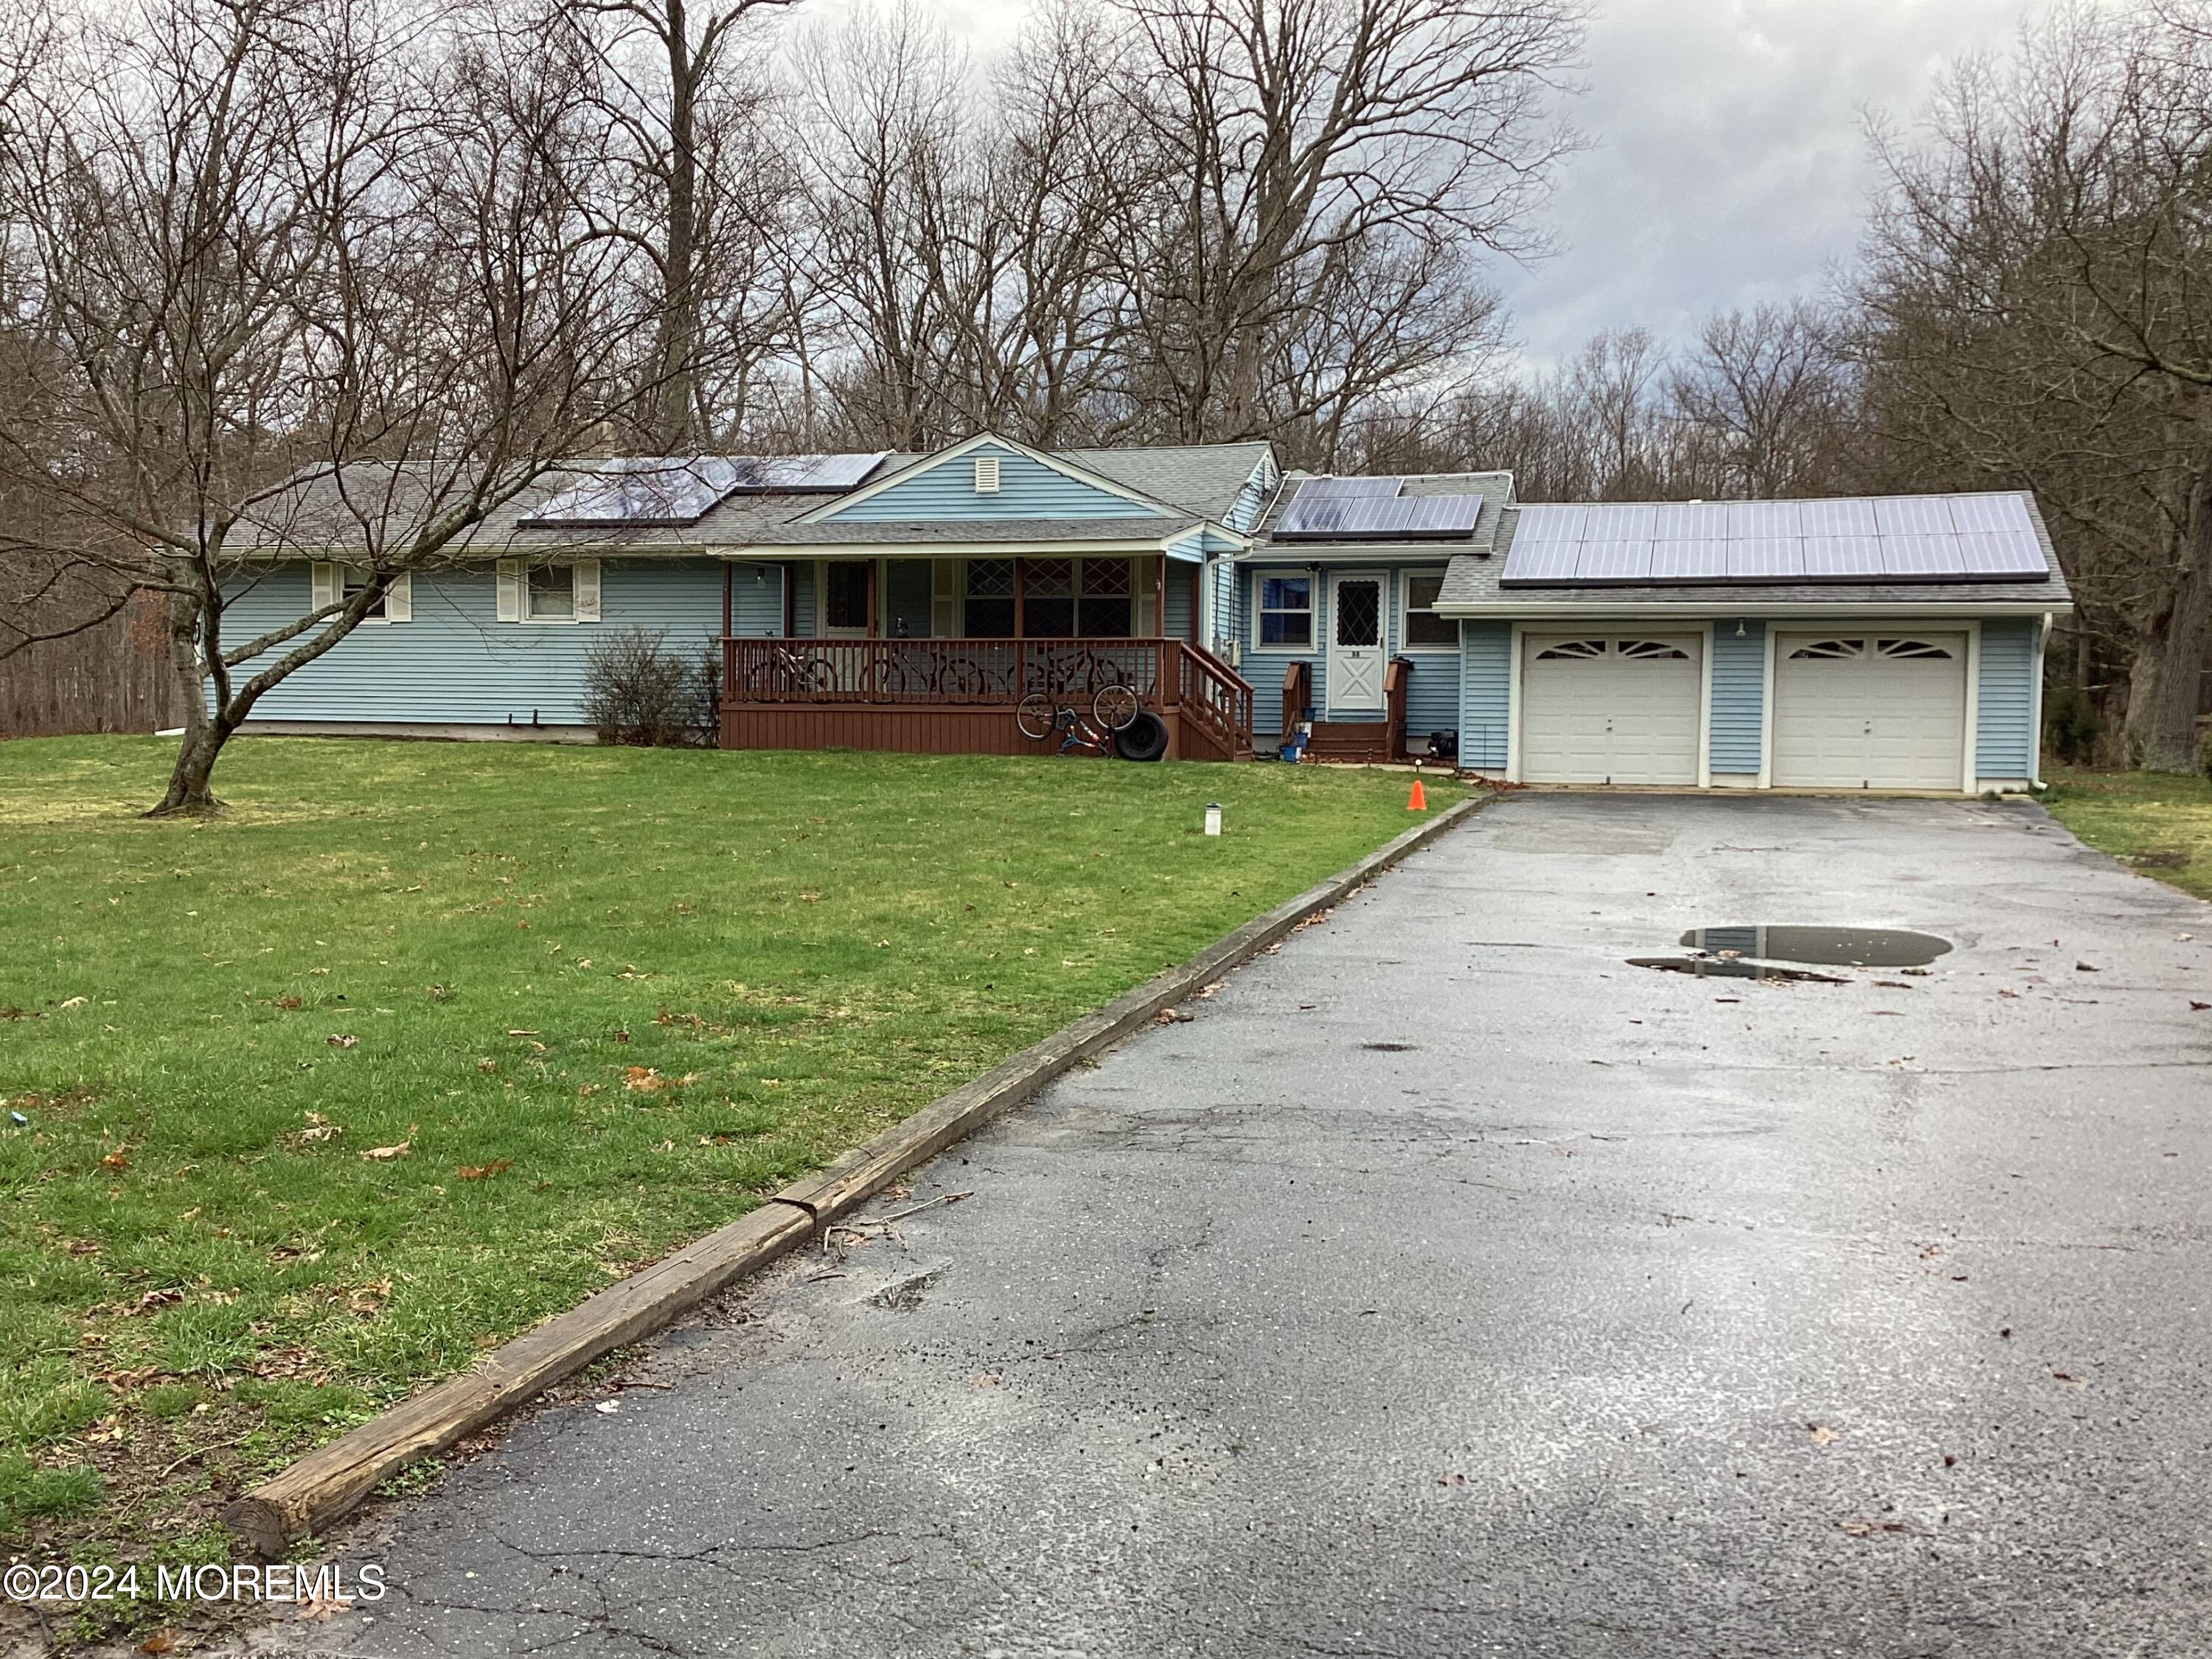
[2165,682]
[679,318]
[189,792]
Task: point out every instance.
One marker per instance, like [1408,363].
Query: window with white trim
[352,579]
[1422,628]
[1282,613]
[548,593]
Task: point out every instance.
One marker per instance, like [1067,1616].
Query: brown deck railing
[1169,676]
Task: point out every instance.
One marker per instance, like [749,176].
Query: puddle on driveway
[1841,947]
[1732,967]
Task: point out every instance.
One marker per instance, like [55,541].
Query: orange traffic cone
[1418,800]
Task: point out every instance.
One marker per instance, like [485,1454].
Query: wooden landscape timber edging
[333,1479]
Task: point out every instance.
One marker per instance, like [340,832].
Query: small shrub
[2070,725]
[638,691]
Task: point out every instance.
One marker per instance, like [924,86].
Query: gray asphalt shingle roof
[370,501]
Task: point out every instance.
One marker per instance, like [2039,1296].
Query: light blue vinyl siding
[456,662]
[1485,657]
[1739,694]
[1178,603]
[756,601]
[1252,499]
[2005,742]
[1027,489]
[1432,693]
[802,600]
[1264,664]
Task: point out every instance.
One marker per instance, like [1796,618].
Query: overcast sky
[1728,162]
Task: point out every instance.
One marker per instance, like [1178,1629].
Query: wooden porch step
[1351,742]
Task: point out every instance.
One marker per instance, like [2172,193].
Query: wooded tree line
[423,252]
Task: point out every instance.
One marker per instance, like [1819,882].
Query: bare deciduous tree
[296,274]
[2038,313]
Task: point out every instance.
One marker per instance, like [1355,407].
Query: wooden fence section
[957,696]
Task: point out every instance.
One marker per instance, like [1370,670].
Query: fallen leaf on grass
[1822,1434]
[498,1166]
[645,1078]
[154,1300]
[116,1160]
[370,1297]
[487,1065]
[515,1031]
[390,1154]
[318,1128]
[159,1641]
[287,1001]
[342,1040]
[74,1002]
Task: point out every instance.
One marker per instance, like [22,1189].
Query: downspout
[2035,782]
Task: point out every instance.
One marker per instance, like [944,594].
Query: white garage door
[1611,709]
[1877,710]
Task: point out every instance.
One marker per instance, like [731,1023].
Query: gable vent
[987,475]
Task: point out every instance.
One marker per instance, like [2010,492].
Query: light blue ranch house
[911,602]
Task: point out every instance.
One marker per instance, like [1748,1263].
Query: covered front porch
[933,655]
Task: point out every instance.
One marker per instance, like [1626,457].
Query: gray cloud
[1731,162]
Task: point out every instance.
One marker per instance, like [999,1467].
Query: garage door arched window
[1829,650]
[1567,649]
[1925,650]
[1652,650]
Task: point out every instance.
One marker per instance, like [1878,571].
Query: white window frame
[1315,644]
[1405,643]
[329,581]
[514,584]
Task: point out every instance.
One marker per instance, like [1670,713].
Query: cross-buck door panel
[1356,654]
[1610,707]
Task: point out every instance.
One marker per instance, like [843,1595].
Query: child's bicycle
[1114,710]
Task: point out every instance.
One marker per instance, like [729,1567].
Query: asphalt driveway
[1448,1286]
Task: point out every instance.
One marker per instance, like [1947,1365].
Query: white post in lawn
[1213,817]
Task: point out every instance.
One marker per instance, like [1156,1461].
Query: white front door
[1355,655]
[1610,707]
[1873,709]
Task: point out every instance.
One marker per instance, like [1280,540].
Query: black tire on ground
[1145,738]
[1036,716]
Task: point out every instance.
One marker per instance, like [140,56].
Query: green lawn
[420,1043]
[2159,822]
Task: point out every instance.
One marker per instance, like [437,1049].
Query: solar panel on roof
[1370,517]
[1935,538]
[1764,559]
[641,490]
[1615,562]
[1319,486]
[1922,556]
[672,490]
[1913,515]
[2018,556]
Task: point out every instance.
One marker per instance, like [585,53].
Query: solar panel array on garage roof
[653,491]
[1334,513]
[1887,538]
[1320,487]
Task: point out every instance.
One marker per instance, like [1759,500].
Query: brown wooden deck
[957,696]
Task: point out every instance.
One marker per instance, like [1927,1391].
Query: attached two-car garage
[1883,707]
